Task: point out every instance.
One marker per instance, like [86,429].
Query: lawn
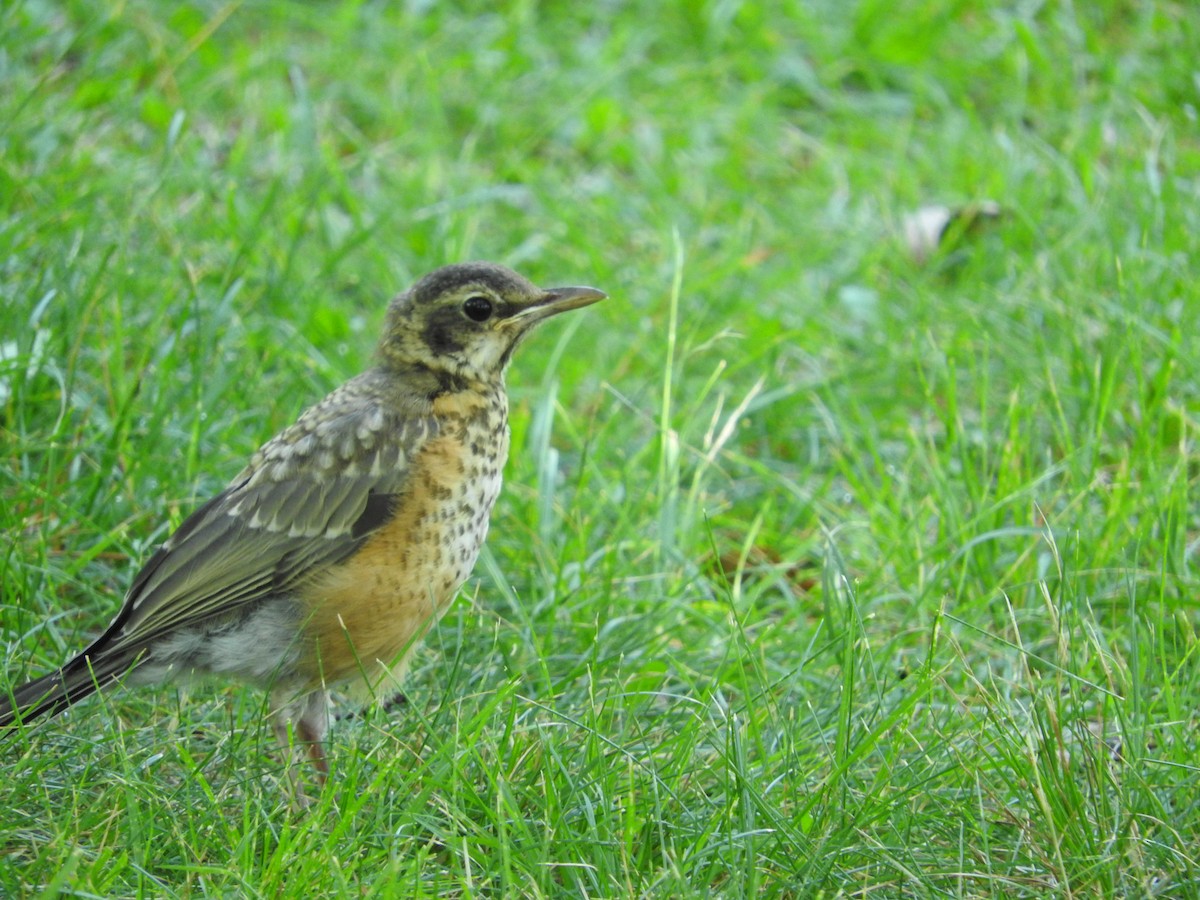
[821,569]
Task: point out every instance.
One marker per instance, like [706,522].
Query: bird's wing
[309,498]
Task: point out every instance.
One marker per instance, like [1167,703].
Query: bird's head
[465,320]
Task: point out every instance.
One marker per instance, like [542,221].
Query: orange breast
[369,612]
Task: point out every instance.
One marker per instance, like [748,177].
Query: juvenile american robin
[346,537]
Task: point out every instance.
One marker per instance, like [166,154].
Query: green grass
[818,572]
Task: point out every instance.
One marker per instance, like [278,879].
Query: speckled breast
[367,615]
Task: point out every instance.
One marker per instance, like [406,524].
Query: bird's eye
[477,308]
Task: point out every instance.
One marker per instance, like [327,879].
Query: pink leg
[301,724]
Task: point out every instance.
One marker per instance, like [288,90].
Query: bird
[325,561]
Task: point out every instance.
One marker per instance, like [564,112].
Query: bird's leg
[301,724]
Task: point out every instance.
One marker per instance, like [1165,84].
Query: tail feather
[55,691]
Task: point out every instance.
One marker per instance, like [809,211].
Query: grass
[818,571]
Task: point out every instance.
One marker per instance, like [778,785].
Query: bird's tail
[54,692]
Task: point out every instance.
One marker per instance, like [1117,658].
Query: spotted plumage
[347,535]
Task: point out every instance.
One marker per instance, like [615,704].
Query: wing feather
[305,502]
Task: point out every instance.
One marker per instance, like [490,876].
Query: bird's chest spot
[404,576]
[460,480]
[462,474]
[435,534]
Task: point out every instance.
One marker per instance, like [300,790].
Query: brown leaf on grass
[761,561]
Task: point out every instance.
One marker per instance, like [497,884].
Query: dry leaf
[926,229]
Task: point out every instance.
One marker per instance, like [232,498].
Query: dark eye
[478,309]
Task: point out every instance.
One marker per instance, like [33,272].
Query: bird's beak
[555,301]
